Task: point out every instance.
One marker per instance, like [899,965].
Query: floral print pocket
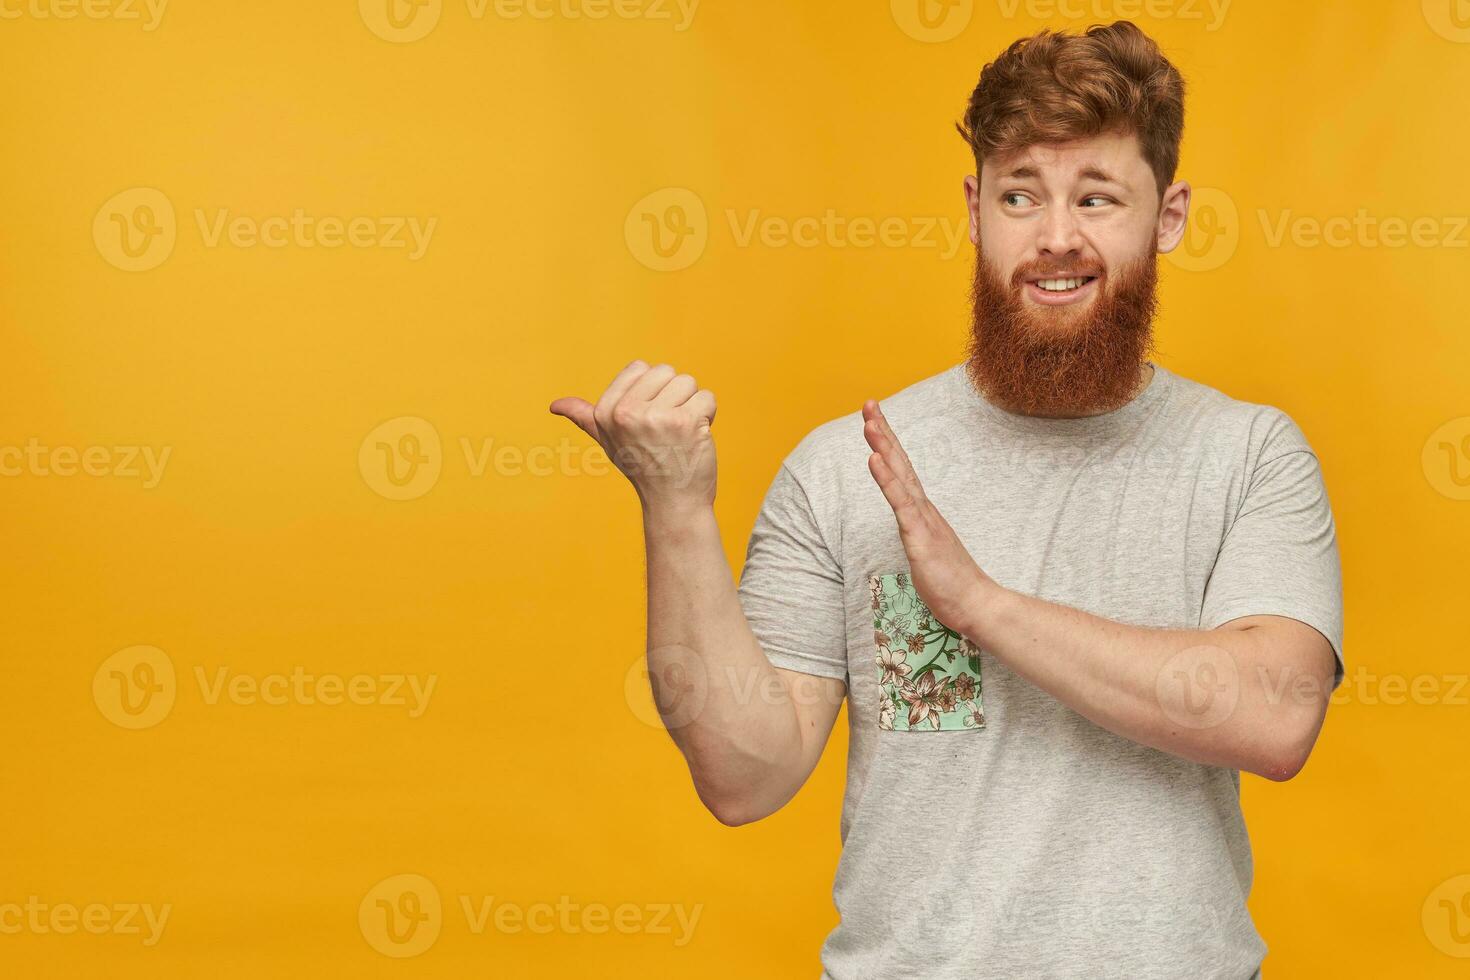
[928,675]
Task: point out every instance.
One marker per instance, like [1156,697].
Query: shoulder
[1258,430]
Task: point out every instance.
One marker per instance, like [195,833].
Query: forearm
[721,700]
[1210,696]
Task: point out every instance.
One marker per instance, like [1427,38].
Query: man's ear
[1173,215]
[972,206]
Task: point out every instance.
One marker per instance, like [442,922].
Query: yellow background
[532,775]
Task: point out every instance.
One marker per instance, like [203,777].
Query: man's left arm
[1250,693]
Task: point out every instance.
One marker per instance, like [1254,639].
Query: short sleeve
[791,587]
[1279,557]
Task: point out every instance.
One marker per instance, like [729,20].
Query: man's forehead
[1106,157]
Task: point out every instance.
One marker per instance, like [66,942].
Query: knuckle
[623,414]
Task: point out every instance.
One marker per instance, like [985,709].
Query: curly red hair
[1054,87]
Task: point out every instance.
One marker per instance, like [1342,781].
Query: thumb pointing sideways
[579,410]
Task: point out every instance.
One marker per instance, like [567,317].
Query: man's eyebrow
[1102,176]
[1027,172]
[1021,173]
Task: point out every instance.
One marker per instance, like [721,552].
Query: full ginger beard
[1062,361]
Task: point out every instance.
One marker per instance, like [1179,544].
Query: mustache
[1030,273]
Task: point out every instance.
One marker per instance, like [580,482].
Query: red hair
[1056,87]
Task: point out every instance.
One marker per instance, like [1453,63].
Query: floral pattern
[928,675]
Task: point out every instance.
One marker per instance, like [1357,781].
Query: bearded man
[1078,597]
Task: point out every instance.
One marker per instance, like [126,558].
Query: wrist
[676,518]
[991,605]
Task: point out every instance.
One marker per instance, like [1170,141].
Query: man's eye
[1013,196]
[1095,198]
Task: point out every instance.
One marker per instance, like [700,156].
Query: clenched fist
[654,424]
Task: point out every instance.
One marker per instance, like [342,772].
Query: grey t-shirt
[995,832]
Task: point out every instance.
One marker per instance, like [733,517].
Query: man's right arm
[750,732]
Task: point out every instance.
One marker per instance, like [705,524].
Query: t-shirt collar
[1113,421]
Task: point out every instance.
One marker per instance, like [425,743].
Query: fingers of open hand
[906,471]
[883,440]
[906,507]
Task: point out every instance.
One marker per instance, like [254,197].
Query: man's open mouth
[1060,290]
[1062,285]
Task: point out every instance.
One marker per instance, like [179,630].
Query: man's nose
[1059,233]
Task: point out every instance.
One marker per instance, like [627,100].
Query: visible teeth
[1060,285]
